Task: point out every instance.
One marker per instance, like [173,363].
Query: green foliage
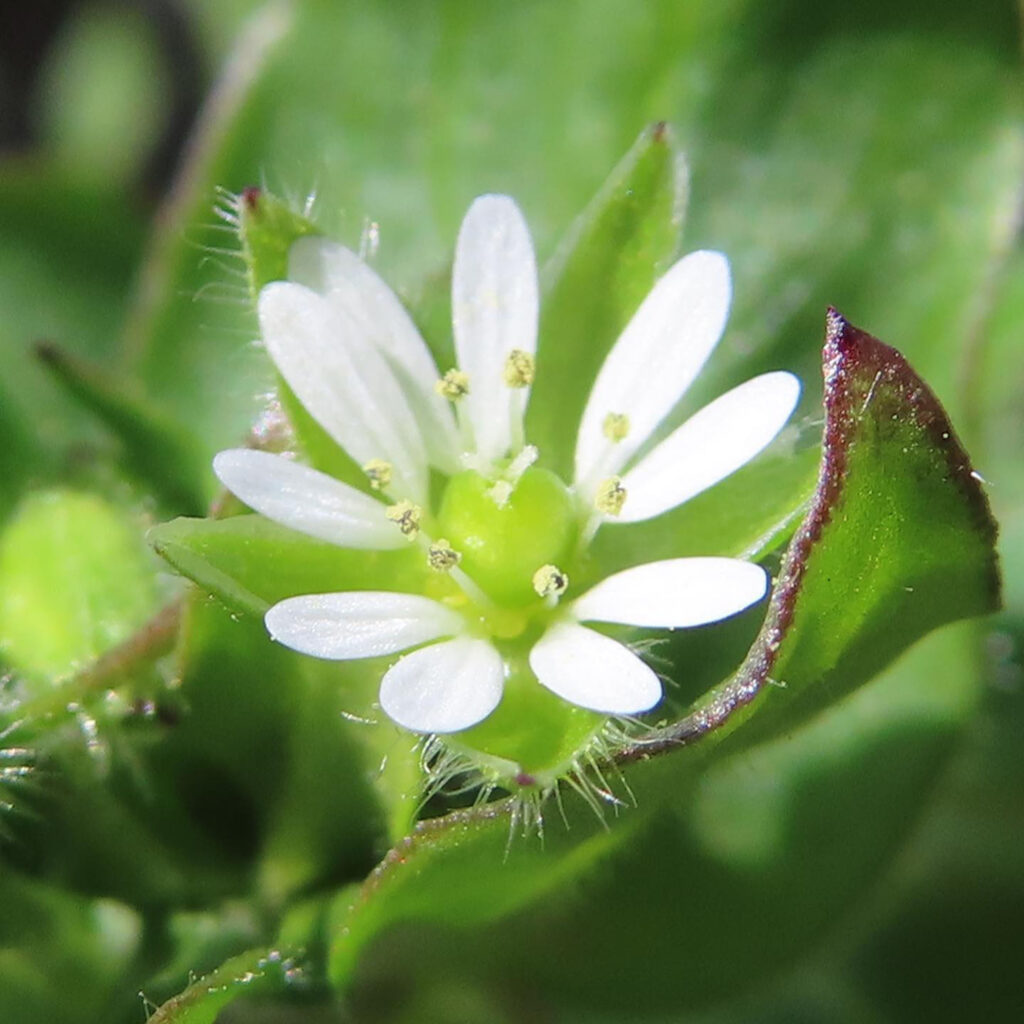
[74,581]
[816,825]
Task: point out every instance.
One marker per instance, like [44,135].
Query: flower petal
[654,361]
[675,593]
[359,624]
[357,291]
[445,687]
[306,500]
[494,310]
[710,445]
[344,382]
[593,671]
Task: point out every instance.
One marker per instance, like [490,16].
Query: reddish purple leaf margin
[855,366]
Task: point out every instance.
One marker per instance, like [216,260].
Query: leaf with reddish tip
[899,540]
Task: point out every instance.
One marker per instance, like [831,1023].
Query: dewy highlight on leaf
[501,544]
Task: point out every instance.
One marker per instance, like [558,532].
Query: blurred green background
[864,155]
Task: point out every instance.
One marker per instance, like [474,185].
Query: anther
[379,473]
[550,581]
[453,385]
[611,496]
[615,426]
[519,369]
[441,556]
[406,516]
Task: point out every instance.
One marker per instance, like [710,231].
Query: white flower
[343,343]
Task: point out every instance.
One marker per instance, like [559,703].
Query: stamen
[442,557]
[615,426]
[379,473]
[407,517]
[611,496]
[519,369]
[550,581]
[453,385]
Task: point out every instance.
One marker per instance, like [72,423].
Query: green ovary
[533,737]
[502,546]
[532,730]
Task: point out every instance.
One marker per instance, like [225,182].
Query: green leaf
[74,581]
[898,541]
[621,244]
[250,562]
[257,972]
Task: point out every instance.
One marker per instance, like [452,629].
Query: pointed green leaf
[899,540]
[621,244]
[250,562]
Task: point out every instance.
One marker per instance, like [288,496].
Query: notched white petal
[445,687]
[678,592]
[343,381]
[359,624]
[305,499]
[711,444]
[494,313]
[358,292]
[655,360]
[593,671]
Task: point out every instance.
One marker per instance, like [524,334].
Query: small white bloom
[346,347]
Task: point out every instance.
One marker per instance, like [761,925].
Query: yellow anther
[519,368]
[406,516]
[550,581]
[379,473]
[453,385]
[615,426]
[611,496]
[441,556]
